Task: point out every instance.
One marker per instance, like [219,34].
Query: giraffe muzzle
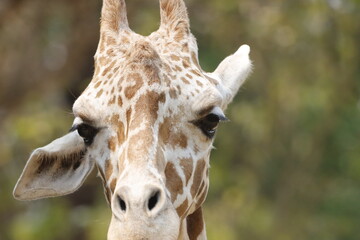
[140,211]
[145,201]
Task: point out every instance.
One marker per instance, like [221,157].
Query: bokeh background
[287,166]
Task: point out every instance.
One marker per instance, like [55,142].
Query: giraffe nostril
[122,204]
[153,200]
[148,199]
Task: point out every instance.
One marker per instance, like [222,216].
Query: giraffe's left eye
[87,132]
[209,123]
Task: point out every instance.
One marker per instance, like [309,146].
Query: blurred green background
[287,166]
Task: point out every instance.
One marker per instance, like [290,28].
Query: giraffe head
[146,122]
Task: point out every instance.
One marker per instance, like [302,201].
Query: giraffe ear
[57,169]
[232,72]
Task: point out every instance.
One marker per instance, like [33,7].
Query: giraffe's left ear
[57,169]
[232,72]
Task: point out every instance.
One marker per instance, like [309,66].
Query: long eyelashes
[210,122]
[85,131]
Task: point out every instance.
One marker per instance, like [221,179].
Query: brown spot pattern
[97,84]
[180,140]
[185,64]
[172,93]
[140,143]
[189,76]
[131,90]
[174,57]
[103,61]
[110,52]
[195,224]
[115,69]
[112,100]
[195,60]
[108,169]
[184,80]
[152,73]
[119,126]
[121,163]
[113,185]
[99,93]
[198,176]
[199,83]
[165,129]
[182,208]
[187,167]
[110,41]
[185,47]
[202,197]
[195,72]
[120,102]
[106,70]
[173,181]
[147,107]
[111,144]
[179,35]
[177,69]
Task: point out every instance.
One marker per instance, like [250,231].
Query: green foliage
[287,166]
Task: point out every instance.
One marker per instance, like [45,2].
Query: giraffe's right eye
[87,132]
[210,122]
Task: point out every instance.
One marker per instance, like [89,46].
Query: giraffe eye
[209,124]
[87,132]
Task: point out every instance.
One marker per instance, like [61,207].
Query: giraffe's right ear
[57,169]
[232,72]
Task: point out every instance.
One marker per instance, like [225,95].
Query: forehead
[150,71]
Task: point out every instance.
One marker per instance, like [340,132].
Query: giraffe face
[151,142]
[146,122]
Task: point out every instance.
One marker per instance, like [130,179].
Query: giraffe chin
[164,226]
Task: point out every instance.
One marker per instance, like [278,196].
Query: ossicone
[113,16]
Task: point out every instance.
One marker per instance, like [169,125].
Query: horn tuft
[174,17]
[113,15]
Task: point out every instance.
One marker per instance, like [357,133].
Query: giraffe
[146,122]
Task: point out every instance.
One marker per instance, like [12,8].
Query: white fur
[33,185]
[232,72]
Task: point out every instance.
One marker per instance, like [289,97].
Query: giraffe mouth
[164,226]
